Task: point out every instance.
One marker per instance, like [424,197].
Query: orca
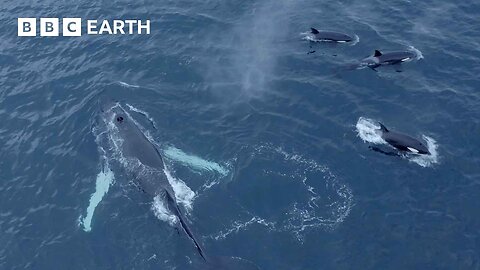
[403,142]
[389,58]
[149,170]
[320,35]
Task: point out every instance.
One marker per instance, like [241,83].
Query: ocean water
[266,142]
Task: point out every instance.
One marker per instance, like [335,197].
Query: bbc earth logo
[72,27]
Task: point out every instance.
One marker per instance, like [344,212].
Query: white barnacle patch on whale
[405,59]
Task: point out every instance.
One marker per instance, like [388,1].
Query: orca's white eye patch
[413,150]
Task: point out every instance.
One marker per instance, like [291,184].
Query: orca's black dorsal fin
[382,127]
[377,53]
[314,31]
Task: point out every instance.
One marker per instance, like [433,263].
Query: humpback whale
[144,157]
[320,35]
[403,142]
[389,58]
[135,145]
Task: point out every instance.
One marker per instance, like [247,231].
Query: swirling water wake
[327,203]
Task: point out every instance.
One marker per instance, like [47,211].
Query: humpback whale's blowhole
[120,119]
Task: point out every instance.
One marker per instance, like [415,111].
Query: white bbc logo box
[49,27]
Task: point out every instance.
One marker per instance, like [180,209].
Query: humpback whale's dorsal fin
[377,53]
[314,31]
[383,128]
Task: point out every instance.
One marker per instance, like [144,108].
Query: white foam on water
[309,36]
[183,194]
[426,160]
[355,40]
[194,162]
[417,52]
[238,226]
[369,131]
[128,85]
[161,211]
[105,179]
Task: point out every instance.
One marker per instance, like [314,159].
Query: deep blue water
[262,140]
